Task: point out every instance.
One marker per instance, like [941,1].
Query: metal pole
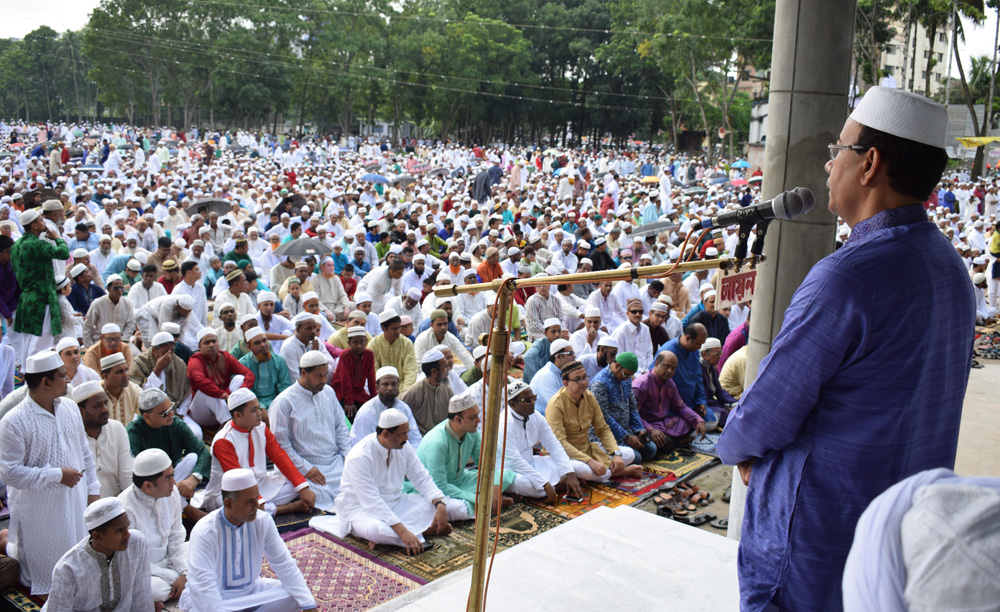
[499,347]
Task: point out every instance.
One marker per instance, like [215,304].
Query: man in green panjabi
[270,373]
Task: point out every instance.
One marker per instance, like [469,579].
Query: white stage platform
[610,558]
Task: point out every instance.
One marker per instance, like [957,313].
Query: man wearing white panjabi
[309,424]
[372,504]
[111,550]
[536,475]
[154,506]
[107,438]
[387,387]
[225,557]
[44,456]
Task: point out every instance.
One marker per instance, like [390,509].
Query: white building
[916,63]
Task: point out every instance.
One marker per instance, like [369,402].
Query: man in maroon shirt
[214,374]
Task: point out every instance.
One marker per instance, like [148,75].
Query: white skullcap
[111,328]
[387,315]
[360,298]
[903,114]
[592,312]
[309,295]
[391,417]
[151,398]
[517,348]
[239,479]
[66,343]
[102,511]
[551,321]
[161,338]
[659,307]
[666,299]
[240,397]
[607,341]
[461,403]
[246,319]
[711,252]
[46,361]
[711,343]
[386,371]
[978,278]
[312,358]
[77,270]
[302,317]
[357,330]
[133,265]
[268,296]
[203,332]
[479,352]
[114,278]
[170,327]
[516,387]
[112,360]
[979,261]
[85,390]
[413,293]
[29,216]
[150,462]
[557,345]
[81,252]
[252,333]
[432,356]
[710,293]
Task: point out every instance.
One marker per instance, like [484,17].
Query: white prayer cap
[551,321]
[709,293]
[711,252]
[133,265]
[360,298]
[102,511]
[978,278]
[161,338]
[301,318]
[81,252]
[114,278]
[110,328]
[479,352]
[66,343]
[111,361]
[311,359]
[391,417]
[387,315]
[29,216]
[659,307]
[413,293]
[239,479]
[246,319]
[666,299]
[357,330]
[711,343]
[386,371]
[150,462]
[46,361]
[607,341]
[61,281]
[204,332]
[86,390]
[461,403]
[170,327]
[240,397]
[517,348]
[252,333]
[309,295]
[592,312]
[267,296]
[903,114]
[432,356]
[419,257]
[516,387]
[979,261]
[558,345]
[77,270]
[151,398]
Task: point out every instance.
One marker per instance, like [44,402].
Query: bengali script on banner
[736,288]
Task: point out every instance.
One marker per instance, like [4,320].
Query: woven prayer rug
[16,597]
[638,487]
[518,523]
[679,465]
[342,577]
[295,521]
[594,496]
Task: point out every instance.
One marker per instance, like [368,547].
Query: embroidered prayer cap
[102,511]
[81,252]
[29,216]
[357,314]
[386,371]
[711,343]
[169,265]
[659,307]
[302,317]
[62,281]
[607,341]
[204,332]
[551,322]
[666,299]
[266,296]
[170,327]
[632,301]
[239,479]
[405,320]
[391,417]
[461,402]
[240,397]
[234,275]
[150,462]
[361,298]
[66,343]
[111,361]
[185,302]
[903,114]
[432,356]
[413,293]
[628,361]
[592,312]
[134,265]
[438,313]
[357,330]
[557,345]
[161,338]
[151,398]
[515,388]
[87,390]
[311,359]
[252,333]
[77,270]
[387,315]
[479,352]
[309,295]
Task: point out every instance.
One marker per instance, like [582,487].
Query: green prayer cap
[628,361]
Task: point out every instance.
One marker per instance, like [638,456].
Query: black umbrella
[209,205]
[439,171]
[302,247]
[372,167]
[654,228]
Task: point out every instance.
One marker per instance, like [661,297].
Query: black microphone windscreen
[791,204]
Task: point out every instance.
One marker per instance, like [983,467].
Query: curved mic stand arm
[740,252]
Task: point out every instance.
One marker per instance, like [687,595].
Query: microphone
[786,205]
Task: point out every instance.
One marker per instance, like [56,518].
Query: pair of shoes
[727,494]
[976,365]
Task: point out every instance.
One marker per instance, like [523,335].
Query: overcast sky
[17,18]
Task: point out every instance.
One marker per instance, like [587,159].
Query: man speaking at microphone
[864,384]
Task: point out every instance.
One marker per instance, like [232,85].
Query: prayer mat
[297,520]
[707,446]
[17,597]
[341,577]
[638,487]
[679,465]
[453,552]
[594,496]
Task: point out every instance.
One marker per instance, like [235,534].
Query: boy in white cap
[49,471]
[227,550]
[372,504]
[305,339]
[246,442]
[392,349]
[387,396]
[107,570]
[72,357]
[310,426]
[354,378]
[276,329]
[154,507]
[106,437]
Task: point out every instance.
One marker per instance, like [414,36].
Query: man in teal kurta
[449,446]
[269,369]
[32,258]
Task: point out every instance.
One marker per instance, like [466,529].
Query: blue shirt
[688,376]
[115,266]
[546,383]
[863,387]
[92,242]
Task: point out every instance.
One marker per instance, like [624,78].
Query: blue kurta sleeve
[700,399]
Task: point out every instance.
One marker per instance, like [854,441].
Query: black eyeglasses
[635,312]
[579,380]
[167,412]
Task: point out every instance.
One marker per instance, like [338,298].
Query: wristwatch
[617,453]
[439,503]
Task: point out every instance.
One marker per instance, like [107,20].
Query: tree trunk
[913,62]
[906,48]
[977,162]
[931,33]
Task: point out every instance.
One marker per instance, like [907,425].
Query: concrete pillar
[810,78]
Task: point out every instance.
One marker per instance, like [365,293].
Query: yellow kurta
[571,424]
[339,338]
[399,355]
[124,408]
